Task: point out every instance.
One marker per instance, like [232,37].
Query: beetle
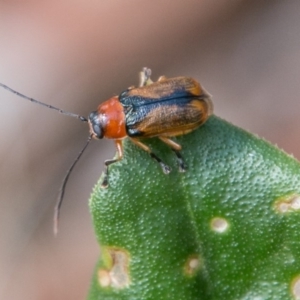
[163,109]
[166,108]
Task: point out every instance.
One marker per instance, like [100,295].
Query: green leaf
[226,229]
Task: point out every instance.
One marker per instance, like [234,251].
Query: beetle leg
[108,162]
[166,169]
[162,78]
[145,77]
[176,149]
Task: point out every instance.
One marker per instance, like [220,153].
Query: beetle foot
[145,77]
[182,167]
[181,164]
[166,169]
[104,183]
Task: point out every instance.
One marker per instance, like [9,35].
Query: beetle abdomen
[167,107]
[167,118]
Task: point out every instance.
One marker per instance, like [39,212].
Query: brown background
[75,54]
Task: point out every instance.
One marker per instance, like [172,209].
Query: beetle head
[96,126]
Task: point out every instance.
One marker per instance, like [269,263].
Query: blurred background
[76,54]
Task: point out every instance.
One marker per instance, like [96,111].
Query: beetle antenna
[63,187]
[81,118]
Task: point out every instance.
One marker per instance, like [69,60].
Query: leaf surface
[228,228]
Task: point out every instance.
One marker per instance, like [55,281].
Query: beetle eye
[98,131]
[95,125]
[93,116]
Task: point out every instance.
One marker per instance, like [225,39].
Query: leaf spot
[192,265]
[288,204]
[117,276]
[219,225]
[103,277]
[295,287]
